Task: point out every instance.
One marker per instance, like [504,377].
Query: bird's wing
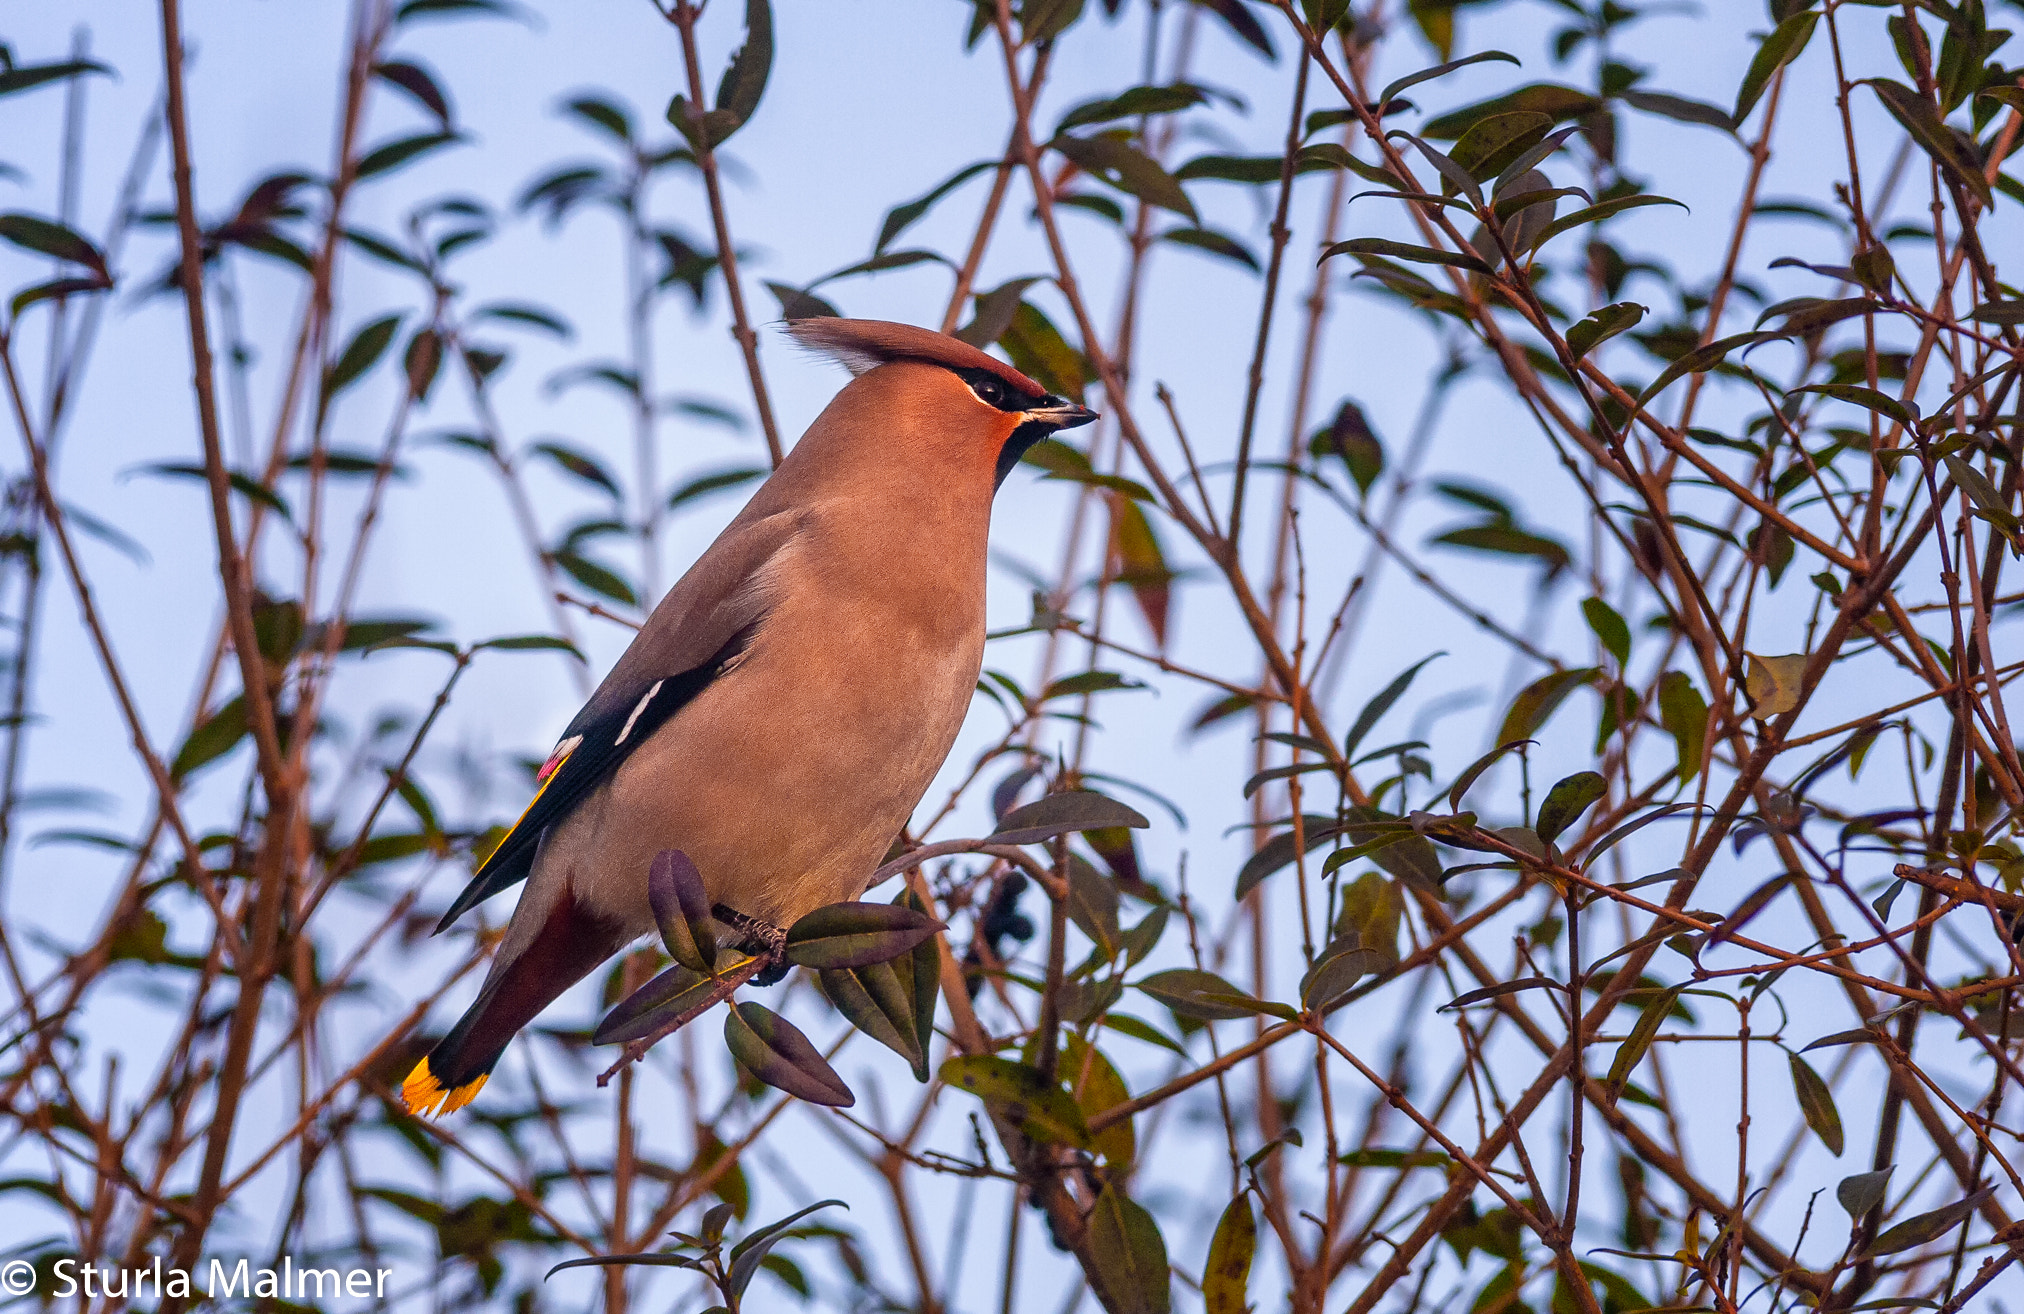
[694,636]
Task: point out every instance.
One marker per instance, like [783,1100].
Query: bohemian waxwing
[787,703]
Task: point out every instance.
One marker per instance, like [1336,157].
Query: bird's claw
[759,937]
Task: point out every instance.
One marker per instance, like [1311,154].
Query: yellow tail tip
[425,1096]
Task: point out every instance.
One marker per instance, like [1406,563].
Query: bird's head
[973,405]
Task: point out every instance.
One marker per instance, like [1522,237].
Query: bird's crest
[863,344]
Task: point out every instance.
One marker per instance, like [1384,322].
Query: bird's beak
[1057,413]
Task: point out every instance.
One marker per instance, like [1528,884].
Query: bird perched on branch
[784,708]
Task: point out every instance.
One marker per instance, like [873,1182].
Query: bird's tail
[570,943]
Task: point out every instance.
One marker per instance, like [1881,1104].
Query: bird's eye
[989,391]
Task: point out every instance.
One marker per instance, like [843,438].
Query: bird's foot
[761,939]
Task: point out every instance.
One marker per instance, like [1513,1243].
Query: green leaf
[1506,539]
[1489,145]
[738,92]
[2000,312]
[1595,214]
[841,935]
[1270,774]
[1609,629]
[1335,972]
[1350,436]
[360,354]
[1454,178]
[1777,50]
[1864,1191]
[1684,715]
[415,9]
[602,114]
[578,464]
[1371,910]
[51,290]
[1098,1088]
[600,580]
[921,972]
[391,156]
[681,907]
[1374,710]
[1678,108]
[1773,683]
[1558,102]
[1460,788]
[363,632]
[1869,399]
[1988,501]
[1214,243]
[1044,1112]
[879,264]
[1130,1255]
[535,317]
[525,643]
[1038,350]
[1323,15]
[1440,70]
[1093,906]
[1063,813]
[1602,325]
[1124,1024]
[658,1002]
[1278,851]
[1816,1102]
[1250,169]
[1397,1159]
[902,217]
[418,84]
[1411,858]
[1699,361]
[216,735]
[24,77]
[1083,683]
[391,848]
[878,1000]
[1537,701]
[750,1252]
[1483,994]
[237,480]
[1242,25]
[1930,1226]
[1202,995]
[1132,104]
[627,1261]
[1043,20]
[1634,1047]
[1955,153]
[1874,268]
[714,482]
[1804,316]
[772,1049]
[54,240]
[1857,1036]
[1226,1273]
[1566,801]
[1422,255]
[1128,169]
[420,362]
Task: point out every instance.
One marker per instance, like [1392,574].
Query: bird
[787,703]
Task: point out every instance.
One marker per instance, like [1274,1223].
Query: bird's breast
[787,779]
